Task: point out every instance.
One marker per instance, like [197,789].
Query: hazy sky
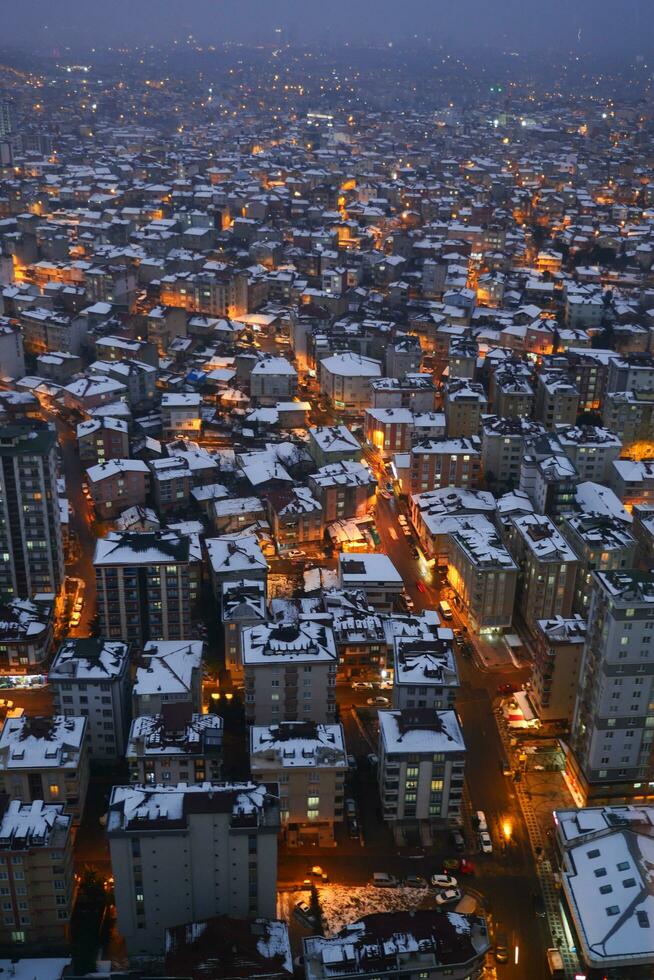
[619,25]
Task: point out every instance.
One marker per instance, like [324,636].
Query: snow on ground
[342,904]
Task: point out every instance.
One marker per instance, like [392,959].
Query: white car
[401,519]
[485,842]
[378,702]
[444,881]
[295,553]
[362,685]
[447,896]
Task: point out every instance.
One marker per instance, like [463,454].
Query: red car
[507,689]
[420,585]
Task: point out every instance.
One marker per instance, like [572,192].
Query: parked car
[444,881]
[538,904]
[362,685]
[353,828]
[295,553]
[415,553]
[401,519]
[420,585]
[381,879]
[75,619]
[378,702]
[485,842]
[373,760]
[501,947]
[458,840]
[447,896]
[479,820]
[304,914]
[352,762]
[350,807]
[415,881]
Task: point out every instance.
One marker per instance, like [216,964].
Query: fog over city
[586,25]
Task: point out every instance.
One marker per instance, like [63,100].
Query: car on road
[485,842]
[458,840]
[79,603]
[373,760]
[415,553]
[501,947]
[75,619]
[447,896]
[317,872]
[458,634]
[350,807]
[351,761]
[444,881]
[462,865]
[507,689]
[378,702]
[294,554]
[406,531]
[381,879]
[303,912]
[445,609]
[415,881]
[353,828]
[538,904]
[362,685]
[385,494]
[401,519]
[420,585]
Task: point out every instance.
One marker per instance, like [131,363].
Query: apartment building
[26,634]
[147,584]
[373,574]
[557,399]
[259,949]
[221,293]
[295,516]
[189,852]
[243,604]
[436,512]
[93,391]
[116,485]
[36,874]
[630,415]
[346,489]
[167,671]
[180,415]
[420,773]
[290,672]
[548,569]
[233,557]
[462,357]
[633,481]
[482,573]
[465,402]
[273,379]
[309,763]
[360,635]
[600,543]
[30,526]
[503,442]
[414,391]
[425,674]
[90,677]
[421,943]
[100,439]
[344,381]
[176,746]
[388,430]
[557,650]
[510,392]
[590,449]
[46,759]
[333,444]
[612,728]
[435,463]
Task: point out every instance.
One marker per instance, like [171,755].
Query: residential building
[630,415]
[606,886]
[259,949]
[90,677]
[600,543]
[612,728]
[36,869]
[435,463]
[633,481]
[435,513]
[462,357]
[548,569]
[180,415]
[176,746]
[344,381]
[557,399]
[503,442]
[147,585]
[167,672]
[590,449]
[373,574]
[46,759]
[346,489]
[510,392]
[290,672]
[100,439]
[243,604]
[333,444]
[234,557]
[414,391]
[482,573]
[26,633]
[12,356]
[30,525]
[425,674]
[295,516]
[388,945]
[557,651]
[93,391]
[309,763]
[272,379]
[421,762]
[465,402]
[118,484]
[389,430]
[232,514]
[184,853]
